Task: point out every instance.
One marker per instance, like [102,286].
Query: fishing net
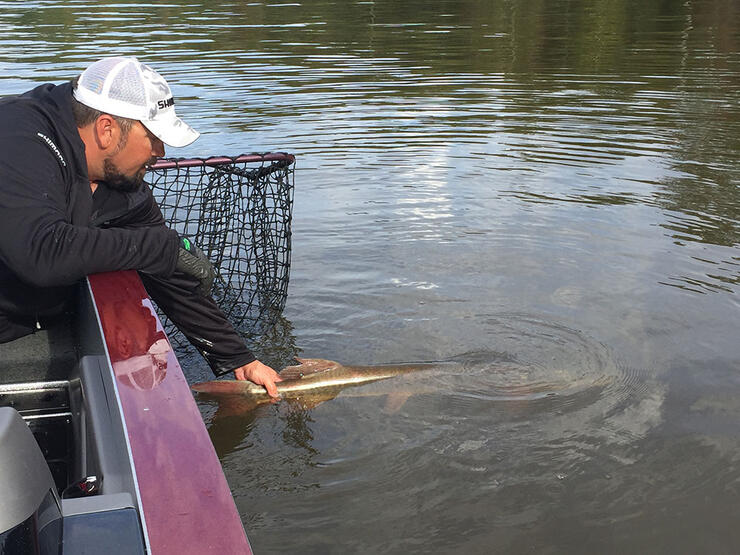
[238,210]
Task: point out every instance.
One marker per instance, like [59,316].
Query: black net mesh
[238,210]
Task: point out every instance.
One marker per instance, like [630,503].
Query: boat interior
[65,470]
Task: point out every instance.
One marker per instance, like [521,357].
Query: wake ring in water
[534,360]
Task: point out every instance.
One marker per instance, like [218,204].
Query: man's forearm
[201,321]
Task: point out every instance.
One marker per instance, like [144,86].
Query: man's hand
[261,374]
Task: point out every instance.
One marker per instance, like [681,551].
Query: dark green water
[545,191]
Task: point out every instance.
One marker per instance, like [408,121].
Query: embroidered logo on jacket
[53,148]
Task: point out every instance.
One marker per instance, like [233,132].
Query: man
[73,202]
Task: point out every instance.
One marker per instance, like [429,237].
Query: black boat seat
[29,508]
[32,522]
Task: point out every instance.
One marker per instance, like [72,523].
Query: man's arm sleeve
[201,321]
[199,318]
[43,249]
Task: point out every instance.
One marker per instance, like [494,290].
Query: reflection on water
[551,183]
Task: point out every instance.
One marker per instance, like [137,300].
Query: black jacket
[54,231]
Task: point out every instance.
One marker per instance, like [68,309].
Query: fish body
[316,380]
[312,381]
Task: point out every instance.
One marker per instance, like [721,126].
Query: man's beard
[114,179]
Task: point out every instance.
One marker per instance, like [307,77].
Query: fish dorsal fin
[308,367]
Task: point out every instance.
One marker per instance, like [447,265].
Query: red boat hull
[184,497]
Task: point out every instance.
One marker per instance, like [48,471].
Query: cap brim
[172,131]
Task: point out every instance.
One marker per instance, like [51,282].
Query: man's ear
[106,131]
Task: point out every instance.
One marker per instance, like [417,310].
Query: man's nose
[157,147]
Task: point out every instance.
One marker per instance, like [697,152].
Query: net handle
[168,163]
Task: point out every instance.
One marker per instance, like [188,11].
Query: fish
[312,381]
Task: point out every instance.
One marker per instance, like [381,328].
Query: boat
[102,447]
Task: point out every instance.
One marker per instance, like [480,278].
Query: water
[544,191]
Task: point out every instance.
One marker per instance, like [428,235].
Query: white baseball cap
[124,87]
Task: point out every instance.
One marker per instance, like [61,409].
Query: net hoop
[170,163]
